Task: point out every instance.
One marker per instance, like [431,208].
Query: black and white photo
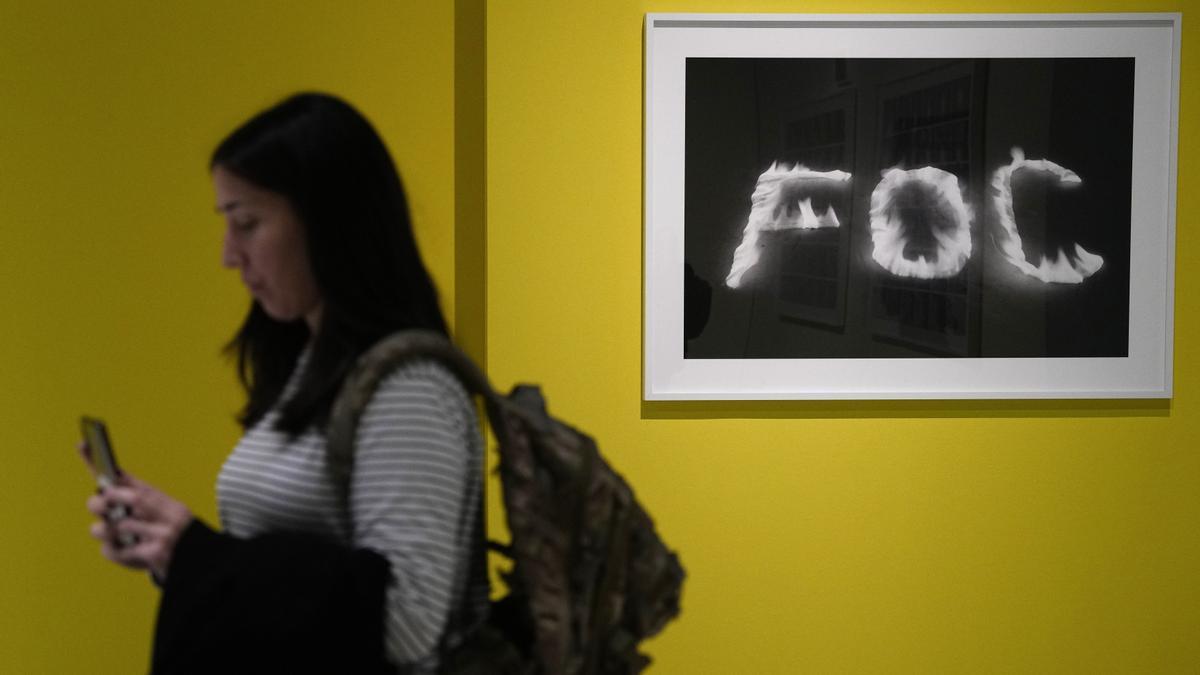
[917,207]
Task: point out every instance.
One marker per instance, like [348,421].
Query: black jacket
[278,603]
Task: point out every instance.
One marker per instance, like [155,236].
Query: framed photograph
[910,206]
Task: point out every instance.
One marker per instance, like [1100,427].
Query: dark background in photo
[818,293]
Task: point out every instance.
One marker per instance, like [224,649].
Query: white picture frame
[1152,41]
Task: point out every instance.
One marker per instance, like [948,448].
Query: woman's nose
[231,257]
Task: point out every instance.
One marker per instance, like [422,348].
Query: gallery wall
[111,289]
[819,537]
[826,537]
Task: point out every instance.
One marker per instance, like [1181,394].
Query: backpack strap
[377,363]
[369,370]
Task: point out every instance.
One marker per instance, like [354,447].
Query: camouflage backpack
[590,578]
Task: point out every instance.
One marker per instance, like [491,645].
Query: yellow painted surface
[905,537]
[112,297]
[470,181]
[933,537]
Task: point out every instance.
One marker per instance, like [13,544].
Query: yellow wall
[923,537]
[820,537]
[111,291]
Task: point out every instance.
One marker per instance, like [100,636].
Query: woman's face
[265,242]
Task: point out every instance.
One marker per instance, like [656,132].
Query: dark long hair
[326,159]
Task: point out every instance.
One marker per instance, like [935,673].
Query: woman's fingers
[142,553]
[153,547]
[97,505]
[140,502]
[142,529]
[122,493]
[112,549]
[129,556]
[146,502]
[154,518]
[100,530]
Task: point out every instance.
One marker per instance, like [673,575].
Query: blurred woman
[317,225]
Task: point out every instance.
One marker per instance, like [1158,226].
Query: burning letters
[920,224]
[782,200]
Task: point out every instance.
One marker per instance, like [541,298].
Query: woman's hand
[156,519]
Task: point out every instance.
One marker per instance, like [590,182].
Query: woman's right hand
[155,518]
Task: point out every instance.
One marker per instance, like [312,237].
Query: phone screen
[100,451]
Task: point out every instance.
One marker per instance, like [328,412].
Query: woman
[318,228]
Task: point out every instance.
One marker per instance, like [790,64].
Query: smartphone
[104,461]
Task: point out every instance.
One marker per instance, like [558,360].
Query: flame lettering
[888,237]
[777,191]
[782,200]
[1063,270]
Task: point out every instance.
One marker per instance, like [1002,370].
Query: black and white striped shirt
[414,497]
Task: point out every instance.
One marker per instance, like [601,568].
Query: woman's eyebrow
[227,206]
